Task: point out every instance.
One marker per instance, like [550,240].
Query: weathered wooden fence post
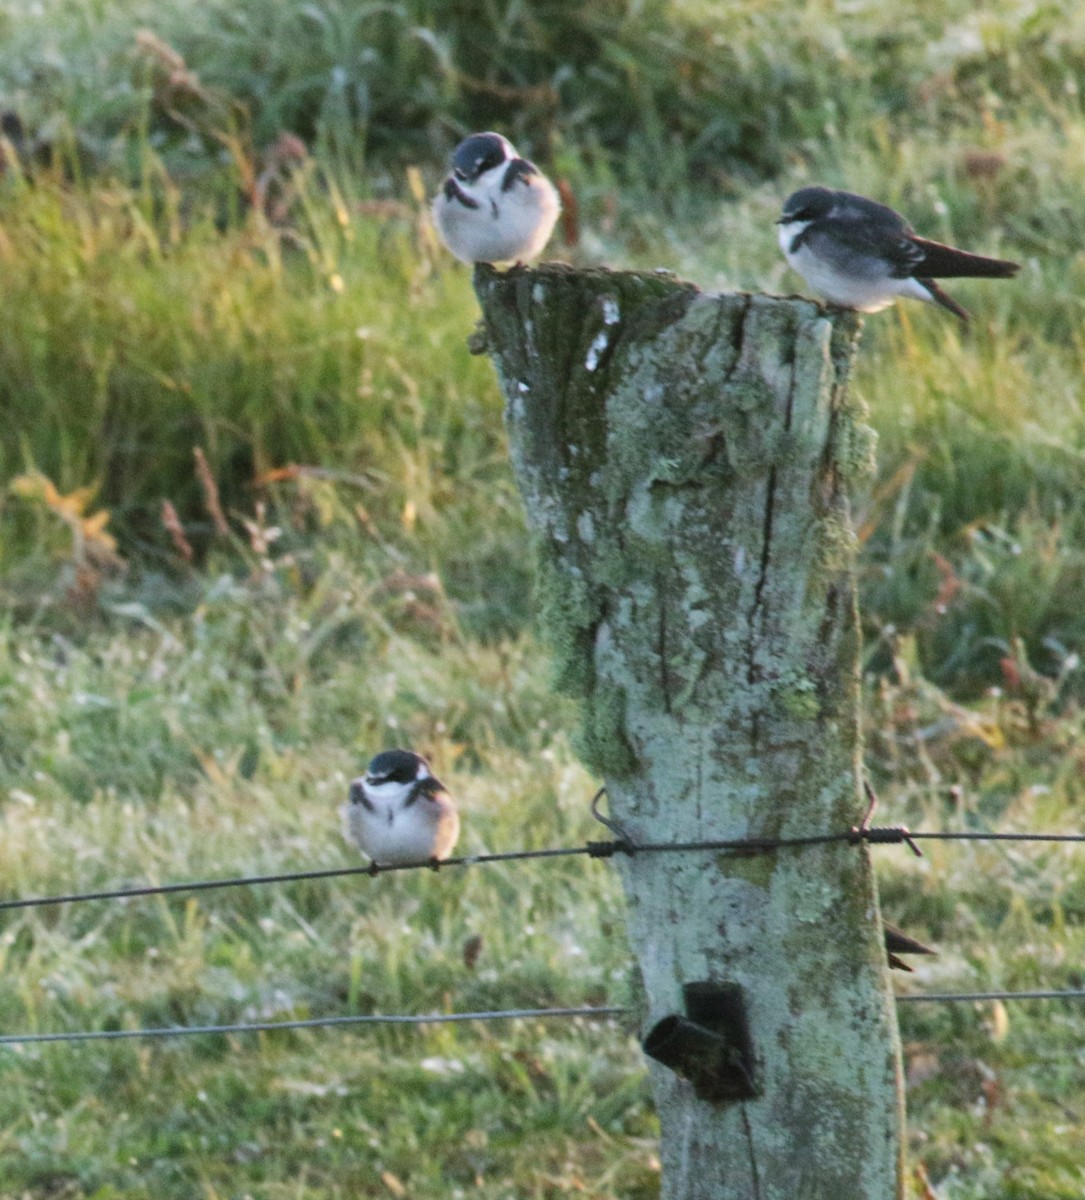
[685,461]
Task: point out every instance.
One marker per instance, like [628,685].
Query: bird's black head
[396,766]
[807,204]
[479,153]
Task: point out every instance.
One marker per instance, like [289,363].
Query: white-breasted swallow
[495,206]
[857,253]
[399,813]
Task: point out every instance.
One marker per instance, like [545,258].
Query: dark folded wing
[428,788]
[453,191]
[861,249]
[358,796]
[518,169]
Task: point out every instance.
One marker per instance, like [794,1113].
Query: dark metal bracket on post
[710,1046]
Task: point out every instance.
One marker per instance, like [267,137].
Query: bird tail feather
[943,298]
[899,942]
[947,262]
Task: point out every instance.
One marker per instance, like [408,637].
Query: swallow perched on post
[399,813]
[859,254]
[494,206]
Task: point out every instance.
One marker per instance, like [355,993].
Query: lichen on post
[686,461]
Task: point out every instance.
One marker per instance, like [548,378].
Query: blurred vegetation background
[256,522]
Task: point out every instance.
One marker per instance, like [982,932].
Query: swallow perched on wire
[399,813]
[494,206]
[859,254]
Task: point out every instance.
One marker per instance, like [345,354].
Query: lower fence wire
[979,997]
[509,1014]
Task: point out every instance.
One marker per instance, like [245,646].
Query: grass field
[177,275]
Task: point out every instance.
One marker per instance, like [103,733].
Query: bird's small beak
[783,220]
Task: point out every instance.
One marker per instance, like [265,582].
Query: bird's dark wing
[358,796]
[861,249]
[947,262]
[453,191]
[429,788]
[518,168]
[903,256]
[852,209]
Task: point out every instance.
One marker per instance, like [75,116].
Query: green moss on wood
[602,740]
[569,613]
[799,698]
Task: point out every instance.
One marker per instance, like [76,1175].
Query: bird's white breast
[511,226]
[786,234]
[869,292]
[391,833]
